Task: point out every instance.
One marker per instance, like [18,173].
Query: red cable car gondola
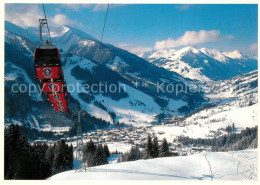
[47,64]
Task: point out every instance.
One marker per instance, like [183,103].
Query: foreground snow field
[237,165]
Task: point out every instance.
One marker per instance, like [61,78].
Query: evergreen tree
[12,135]
[17,149]
[106,150]
[95,155]
[132,154]
[37,161]
[24,159]
[49,158]
[61,158]
[70,157]
[7,161]
[233,126]
[88,153]
[164,150]
[98,156]
[155,148]
[149,146]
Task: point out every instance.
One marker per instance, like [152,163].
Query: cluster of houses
[132,136]
[129,135]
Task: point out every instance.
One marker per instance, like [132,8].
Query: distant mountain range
[86,61]
[202,64]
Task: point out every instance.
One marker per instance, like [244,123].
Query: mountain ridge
[202,64]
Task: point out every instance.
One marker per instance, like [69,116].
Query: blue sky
[144,27]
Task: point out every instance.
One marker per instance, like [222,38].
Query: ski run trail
[233,165]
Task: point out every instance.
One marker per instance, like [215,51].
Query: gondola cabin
[47,63]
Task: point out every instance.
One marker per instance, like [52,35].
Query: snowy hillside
[237,88]
[234,101]
[16,30]
[86,61]
[138,107]
[210,123]
[202,64]
[237,165]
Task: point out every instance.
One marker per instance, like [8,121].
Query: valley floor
[234,165]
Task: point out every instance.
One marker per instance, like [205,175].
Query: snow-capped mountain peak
[66,36]
[59,31]
[214,53]
[202,64]
[189,49]
[80,33]
[234,54]
[162,53]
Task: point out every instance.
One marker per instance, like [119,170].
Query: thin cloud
[61,19]
[77,7]
[190,38]
[103,7]
[254,47]
[134,49]
[94,7]
[57,10]
[230,37]
[140,50]
[183,6]
[28,16]
[100,7]
[23,15]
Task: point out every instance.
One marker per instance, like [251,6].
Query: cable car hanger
[42,23]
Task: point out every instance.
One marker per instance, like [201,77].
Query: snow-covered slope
[238,87]
[21,32]
[170,60]
[211,122]
[233,101]
[221,166]
[65,37]
[234,54]
[136,108]
[202,64]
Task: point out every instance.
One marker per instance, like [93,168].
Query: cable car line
[104,24]
[101,39]
[46,22]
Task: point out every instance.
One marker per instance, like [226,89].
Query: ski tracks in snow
[247,165]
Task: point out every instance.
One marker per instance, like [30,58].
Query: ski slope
[237,165]
[138,108]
